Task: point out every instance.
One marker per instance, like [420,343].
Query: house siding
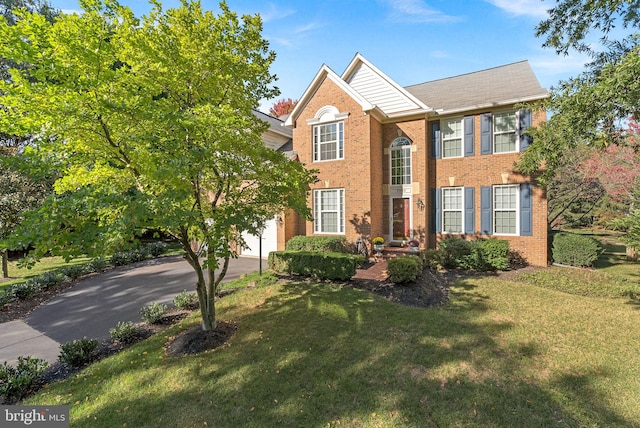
[364,173]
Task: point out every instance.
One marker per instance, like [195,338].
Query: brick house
[420,162]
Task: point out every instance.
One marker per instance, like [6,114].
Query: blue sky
[412,41]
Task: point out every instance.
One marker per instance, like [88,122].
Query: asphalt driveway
[96,304]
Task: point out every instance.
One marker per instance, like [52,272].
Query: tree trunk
[632,253]
[5,263]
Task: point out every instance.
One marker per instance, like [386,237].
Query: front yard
[500,353]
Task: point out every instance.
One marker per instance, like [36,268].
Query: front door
[401,219]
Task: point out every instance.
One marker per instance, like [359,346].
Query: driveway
[96,304]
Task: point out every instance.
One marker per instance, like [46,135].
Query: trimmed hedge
[404,269]
[320,265]
[335,244]
[575,250]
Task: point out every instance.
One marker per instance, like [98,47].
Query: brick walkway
[376,272]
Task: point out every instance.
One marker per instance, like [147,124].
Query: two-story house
[420,162]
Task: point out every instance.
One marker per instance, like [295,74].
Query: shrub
[15,382]
[186,300]
[79,352]
[575,250]
[6,296]
[154,313]
[157,248]
[454,250]
[332,266]
[25,290]
[494,254]
[48,279]
[404,269]
[74,271]
[433,258]
[124,332]
[97,265]
[334,244]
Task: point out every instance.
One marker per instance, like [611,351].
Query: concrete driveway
[96,304]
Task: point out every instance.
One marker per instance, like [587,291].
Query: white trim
[317,144]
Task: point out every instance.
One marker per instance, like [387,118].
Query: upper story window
[328,134]
[328,141]
[505,132]
[451,135]
[400,161]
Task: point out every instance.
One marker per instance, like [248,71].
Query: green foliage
[186,300]
[479,254]
[631,226]
[6,295]
[124,332]
[332,266]
[15,382]
[152,123]
[454,251]
[404,269]
[78,353]
[157,248]
[334,244]
[25,290]
[575,250]
[154,313]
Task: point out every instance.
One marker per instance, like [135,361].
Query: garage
[269,241]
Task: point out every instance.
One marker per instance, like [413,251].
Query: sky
[411,41]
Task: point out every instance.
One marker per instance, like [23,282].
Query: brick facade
[364,174]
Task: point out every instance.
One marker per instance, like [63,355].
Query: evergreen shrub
[575,250]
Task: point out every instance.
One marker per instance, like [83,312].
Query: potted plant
[378,245]
[414,246]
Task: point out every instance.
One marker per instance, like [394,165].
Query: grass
[46,264]
[313,354]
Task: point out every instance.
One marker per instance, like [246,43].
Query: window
[505,210]
[328,211]
[505,136]
[328,141]
[452,210]
[401,161]
[451,134]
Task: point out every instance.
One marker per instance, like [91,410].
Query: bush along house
[421,162]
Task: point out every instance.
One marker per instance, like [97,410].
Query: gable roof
[277,136]
[503,85]
[379,89]
[325,73]
[385,99]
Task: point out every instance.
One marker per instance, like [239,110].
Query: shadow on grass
[321,355]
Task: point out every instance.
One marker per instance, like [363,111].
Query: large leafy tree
[152,128]
[593,108]
[20,190]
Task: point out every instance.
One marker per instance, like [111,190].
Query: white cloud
[439,54]
[295,36]
[417,11]
[274,12]
[535,8]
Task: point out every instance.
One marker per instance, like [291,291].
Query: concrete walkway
[96,304]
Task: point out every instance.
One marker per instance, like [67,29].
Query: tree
[18,191]
[592,108]
[282,107]
[151,126]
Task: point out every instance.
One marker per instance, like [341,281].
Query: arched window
[400,161]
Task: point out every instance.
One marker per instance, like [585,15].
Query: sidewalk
[376,272]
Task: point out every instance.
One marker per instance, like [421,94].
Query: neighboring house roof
[507,84]
[277,136]
[385,99]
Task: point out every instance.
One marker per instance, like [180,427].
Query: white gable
[378,91]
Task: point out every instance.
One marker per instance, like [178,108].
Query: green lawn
[19,274]
[312,354]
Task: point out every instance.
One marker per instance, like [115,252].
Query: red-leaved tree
[282,107]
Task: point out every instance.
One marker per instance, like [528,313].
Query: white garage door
[269,241]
